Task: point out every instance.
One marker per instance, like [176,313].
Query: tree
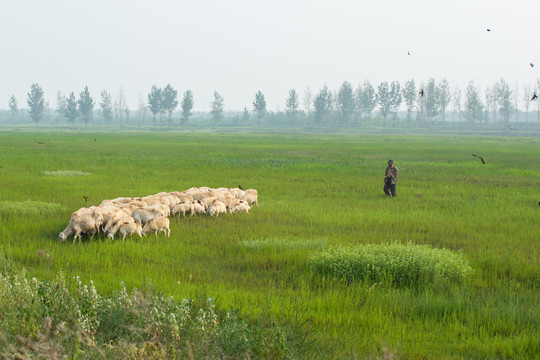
[432,100]
[396,99]
[322,104]
[456,100]
[61,104]
[154,101]
[384,99]
[71,108]
[526,102]
[217,106]
[86,105]
[141,113]
[120,106]
[246,116]
[537,91]
[36,102]
[259,105]
[444,97]
[106,106]
[307,100]
[504,96]
[13,108]
[409,95]
[473,105]
[187,105]
[169,101]
[292,105]
[492,95]
[366,100]
[345,102]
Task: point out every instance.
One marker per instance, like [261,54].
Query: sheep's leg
[168,232]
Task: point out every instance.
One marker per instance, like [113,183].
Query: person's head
[390,163]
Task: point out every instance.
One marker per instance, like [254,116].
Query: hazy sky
[240,46]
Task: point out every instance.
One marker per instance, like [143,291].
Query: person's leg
[386,188]
[393,189]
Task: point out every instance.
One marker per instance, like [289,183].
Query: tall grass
[401,265]
[311,187]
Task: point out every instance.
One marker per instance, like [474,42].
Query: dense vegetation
[315,192]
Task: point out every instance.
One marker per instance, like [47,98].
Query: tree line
[388,103]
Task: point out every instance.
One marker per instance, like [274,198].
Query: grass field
[315,192]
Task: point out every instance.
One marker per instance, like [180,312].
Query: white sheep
[217,208]
[79,224]
[183,208]
[150,212]
[126,226]
[160,223]
[241,206]
[198,208]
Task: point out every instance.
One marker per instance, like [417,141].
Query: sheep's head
[110,236]
[62,237]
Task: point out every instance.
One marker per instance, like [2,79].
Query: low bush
[69,319]
[402,265]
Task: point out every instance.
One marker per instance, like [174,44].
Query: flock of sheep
[126,215]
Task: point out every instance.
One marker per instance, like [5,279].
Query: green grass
[66,173]
[401,265]
[315,192]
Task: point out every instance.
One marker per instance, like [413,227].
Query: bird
[488,29]
[531,64]
[408,53]
[95,139]
[39,142]
[240,187]
[421,92]
[85,198]
[481,158]
[534,97]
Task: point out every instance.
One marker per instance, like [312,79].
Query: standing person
[390,179]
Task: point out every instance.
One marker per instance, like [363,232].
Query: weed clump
[407,265]
[28,207]
[66,318]
[66,173]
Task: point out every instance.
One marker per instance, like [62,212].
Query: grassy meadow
[315,192]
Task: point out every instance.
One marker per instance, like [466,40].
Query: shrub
[61,319]
[402,265]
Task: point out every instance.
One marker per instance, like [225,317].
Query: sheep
[229,202]
[160,223]
[183,207]
[236,192]
[217,208]
[207,201]
[150,212]
[250,198]
[198,208]
[84,223]
[153,200]
[203,194]
[126,226]
[241,206]
[182,197]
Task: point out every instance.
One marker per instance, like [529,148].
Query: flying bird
[85,198]
[39,142]
[534,97]
[488,29]
[421,92]
[531,64]
[481,158]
